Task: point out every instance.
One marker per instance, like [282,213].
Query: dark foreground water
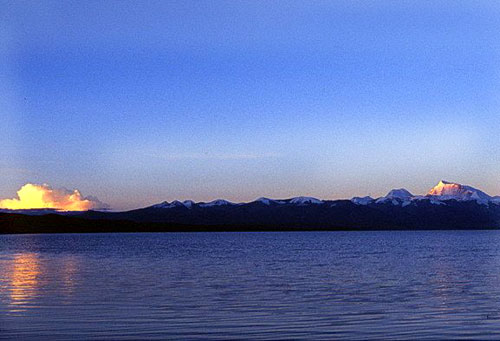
[313,285]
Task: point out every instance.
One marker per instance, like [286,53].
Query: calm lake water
[317,285]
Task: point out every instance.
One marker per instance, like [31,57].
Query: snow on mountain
[396,197]
[399,194]
[164,204]
[438,195]
[188,203]
[434,201]
[267,201]
[304,201]
[217,202]
[445,190]
[175,203]
[362,201]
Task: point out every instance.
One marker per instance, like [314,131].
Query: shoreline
[52,224]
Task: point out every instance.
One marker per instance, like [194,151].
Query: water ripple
[317,285]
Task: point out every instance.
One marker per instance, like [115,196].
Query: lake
[296,285]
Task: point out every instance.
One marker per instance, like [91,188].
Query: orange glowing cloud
[32,196]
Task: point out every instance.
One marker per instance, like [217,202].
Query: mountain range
[448,205]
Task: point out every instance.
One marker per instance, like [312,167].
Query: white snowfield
[217,202]
[395,196]
[453,191]
[175,203]
[305,201]
[438,195]
[363,200]
[267,201]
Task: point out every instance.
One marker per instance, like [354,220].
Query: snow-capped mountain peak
[217,202]
[400,193]
[362,201]
[163,204]
[188,203]
[445,190]
[396,197]
[438,195]
[305,200]
[267,201]
[175,203]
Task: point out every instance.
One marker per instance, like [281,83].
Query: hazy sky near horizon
[140,102]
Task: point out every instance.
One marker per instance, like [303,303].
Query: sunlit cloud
[33,196]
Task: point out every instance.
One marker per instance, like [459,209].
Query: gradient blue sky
[140,102]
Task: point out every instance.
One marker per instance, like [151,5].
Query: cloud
[33,196]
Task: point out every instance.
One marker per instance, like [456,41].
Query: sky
[140,102]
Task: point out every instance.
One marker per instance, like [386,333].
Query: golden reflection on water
[70,268]
[23,279]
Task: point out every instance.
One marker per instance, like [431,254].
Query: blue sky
[139,102]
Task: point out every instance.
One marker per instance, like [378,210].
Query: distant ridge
[446,206]
[438,195]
